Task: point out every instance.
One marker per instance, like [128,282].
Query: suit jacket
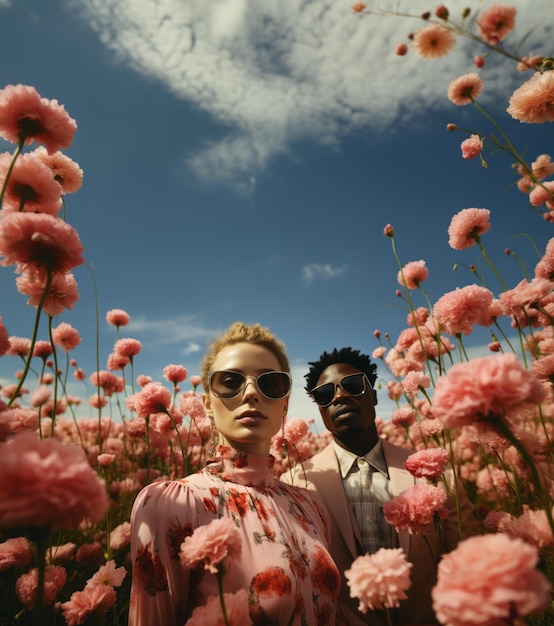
[321,474]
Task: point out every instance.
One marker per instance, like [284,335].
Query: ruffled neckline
[239,467]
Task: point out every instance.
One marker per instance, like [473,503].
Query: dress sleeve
[163,515]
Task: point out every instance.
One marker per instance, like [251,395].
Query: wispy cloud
[187,331]
[280,71]
[325,271]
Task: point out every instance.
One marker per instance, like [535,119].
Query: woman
[285,566]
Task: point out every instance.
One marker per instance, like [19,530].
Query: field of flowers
[67,484]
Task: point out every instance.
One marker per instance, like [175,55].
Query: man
[356,473]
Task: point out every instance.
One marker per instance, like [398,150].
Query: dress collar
[239,467]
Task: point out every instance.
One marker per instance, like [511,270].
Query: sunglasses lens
[324,395]
[226,384]
[274,384]
[354,385]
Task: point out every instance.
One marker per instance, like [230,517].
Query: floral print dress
[285,566]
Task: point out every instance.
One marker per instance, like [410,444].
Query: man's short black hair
[345,355]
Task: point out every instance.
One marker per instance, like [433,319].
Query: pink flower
[192,406]
[25,116]
[143,380]
[458,310]
[464,89]
[415,508]
[26,585]
[120,536]
[401,49]
[388,231]
[471,147]
[236,607]
[531,526]
[532,62]
[66,337]
[65,171]
[14,553]
[31,186]
[117,317]
[358,7]
[488,580]
[40,242]
[413,381]
[209,545]
[47,483]
[4,338]
[127,347]
[484,389]
[152,398]
[62,294]
[175,373]
[379,580]
[105,459]
[108,574]
[533,102]
[543,194]
[82,604]
[403,416]
[412,274]
[429,463]
[195,380]
[496,22]
[433,41]
[467,226]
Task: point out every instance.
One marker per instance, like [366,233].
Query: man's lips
[342,411]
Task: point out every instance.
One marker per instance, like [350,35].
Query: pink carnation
[379,580]
[47,483]
[120,536]
[471,147]
[39,242]
[496,22]
[117,317]
[82,604]
[467,226]
[66,337]
[488,580]
[63,292]
[413,274]
[153,398]
[429,463]
[465,89]
[27,584]
[458,310]
[209,545]
[25,116]
[532,526]
[127,347]
[413,381]
[236,608]
[532,102]
[64,170]
[416,508]
[433,41]
[484,389]
[175,373]
[14,553]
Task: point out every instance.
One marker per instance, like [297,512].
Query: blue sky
[241,159]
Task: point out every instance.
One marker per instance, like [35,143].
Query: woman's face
[249,420]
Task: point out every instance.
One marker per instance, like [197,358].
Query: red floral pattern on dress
[150,571]
[176,534]
[273,581]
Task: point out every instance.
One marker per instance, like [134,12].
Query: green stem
[221,600]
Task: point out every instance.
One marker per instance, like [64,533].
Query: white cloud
[326,271]
[280,71]
[187,330]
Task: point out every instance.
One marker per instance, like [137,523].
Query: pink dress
[285,565]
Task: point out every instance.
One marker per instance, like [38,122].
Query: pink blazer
[321,474]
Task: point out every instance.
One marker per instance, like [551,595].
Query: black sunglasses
[353,384]
[228,384]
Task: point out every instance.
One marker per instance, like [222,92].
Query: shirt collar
[375,457]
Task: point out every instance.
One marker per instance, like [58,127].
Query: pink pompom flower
[457,311]
[467,226]
[15,553]
[379,580]
[471,147]
[416,508]
[26,586]
[484,390]
[496,22]
[488,580]
[47,483]
[465,89]
[152,398]
[433,41]
[25,116]
[117,317]
[412,274]
[429,463]
[532,102]
[94,599]
[210,544]
[175,373]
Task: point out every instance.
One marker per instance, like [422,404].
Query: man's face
[350,419]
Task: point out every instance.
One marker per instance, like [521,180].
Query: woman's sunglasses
[228,384]
[353,384]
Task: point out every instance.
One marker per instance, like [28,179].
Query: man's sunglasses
[228,384]
[353,384]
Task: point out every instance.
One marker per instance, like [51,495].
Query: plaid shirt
[367,486]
